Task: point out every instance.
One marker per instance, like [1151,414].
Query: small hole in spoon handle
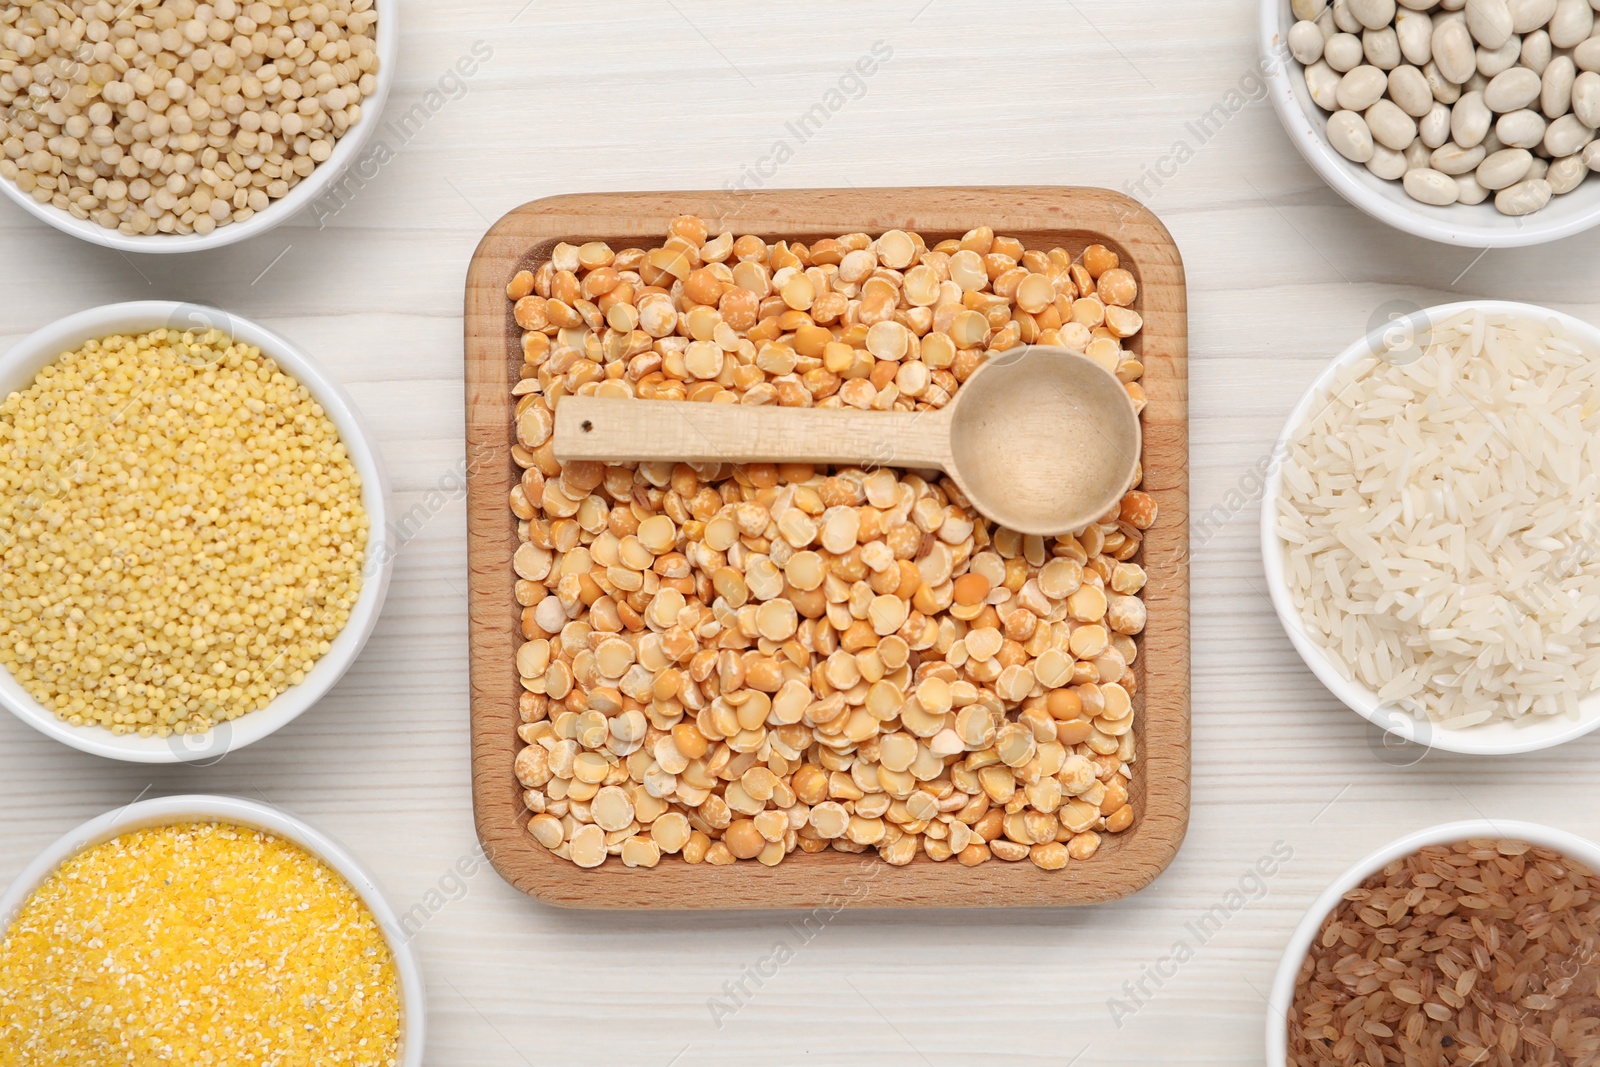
[587,425]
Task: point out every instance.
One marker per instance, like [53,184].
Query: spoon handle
[619,430]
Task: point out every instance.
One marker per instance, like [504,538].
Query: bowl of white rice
[1431,527]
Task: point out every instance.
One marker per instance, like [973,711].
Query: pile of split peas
[735,662]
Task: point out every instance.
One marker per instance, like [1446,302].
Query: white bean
[1409,89]
[1390,126]
[1322,82]
[1386,163]
[1536,51]
[1586,98]
[1373,14]
[1555,90]
[1489,22]
[1523,198]
[1572,23]
[1343,52]
[1521,129]
[1504,168]
[1452,49]
[1349,136]
[1566,136]
[1434,129]
[1566,174]
[1505,57]
[1382,48]
[1468,191]
[1529,15]
[1362,87]
[1512,90]
[1430,187]
[1470,120]
[1414,31]
[1453,97]
[1305,43]
[1452,159]
[1444,90]
[1587,55]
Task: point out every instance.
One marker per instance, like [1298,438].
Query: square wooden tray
[1042,217]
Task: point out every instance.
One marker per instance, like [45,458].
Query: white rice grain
[1440,520]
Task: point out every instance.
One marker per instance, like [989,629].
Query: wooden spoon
[1041,440]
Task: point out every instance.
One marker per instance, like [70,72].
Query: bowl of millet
[193,532]
[176,125]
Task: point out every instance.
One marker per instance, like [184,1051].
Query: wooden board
[1042,217]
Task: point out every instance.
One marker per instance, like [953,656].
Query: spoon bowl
[1040,440]
[1043,442]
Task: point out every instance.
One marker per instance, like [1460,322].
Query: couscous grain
[175,117]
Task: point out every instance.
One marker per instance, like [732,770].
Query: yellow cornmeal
[197,944]
[181,533]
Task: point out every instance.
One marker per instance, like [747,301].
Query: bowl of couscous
[194,532]
[200,126]
[252,936]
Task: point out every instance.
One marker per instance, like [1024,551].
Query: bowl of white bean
[191,125]
[1470,125]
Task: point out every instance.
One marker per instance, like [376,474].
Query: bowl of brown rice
[1472,942]
[1430,527]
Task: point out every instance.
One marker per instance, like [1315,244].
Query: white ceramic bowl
[1282,998]
[17,370]
[346,151]
[1498,738]
[1475,225]
[168,811]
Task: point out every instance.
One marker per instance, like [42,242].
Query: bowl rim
[46,344]
[1355,696]
[199,807]
[1281,998]
[1347,179]
[347,149]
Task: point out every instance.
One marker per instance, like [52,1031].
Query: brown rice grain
[1482,953]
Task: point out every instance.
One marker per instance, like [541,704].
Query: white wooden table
[689,94]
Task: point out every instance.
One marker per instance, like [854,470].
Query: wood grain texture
[1042,441]
[633,431]
[1041,217]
